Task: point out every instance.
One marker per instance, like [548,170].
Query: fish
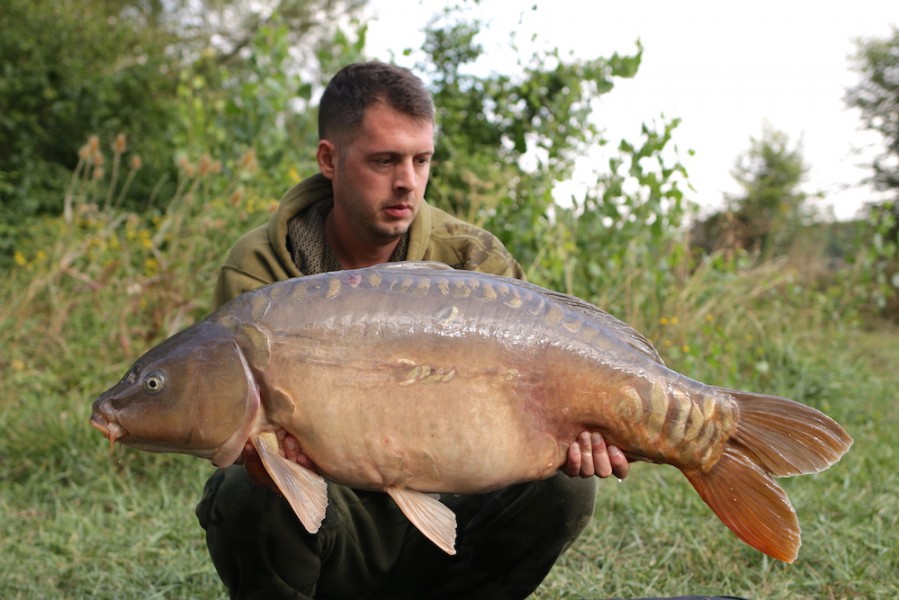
[416,379]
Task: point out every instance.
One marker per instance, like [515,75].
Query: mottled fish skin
[413,377]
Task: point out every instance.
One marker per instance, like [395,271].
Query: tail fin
[775,437]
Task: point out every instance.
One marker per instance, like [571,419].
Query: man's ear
[326,154]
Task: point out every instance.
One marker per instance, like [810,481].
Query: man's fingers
[588,459]
[291,448]
[620,465]
[572,467]
[602,466]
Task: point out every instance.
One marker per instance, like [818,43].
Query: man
[376,130]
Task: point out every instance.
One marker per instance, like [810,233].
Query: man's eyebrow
[429,152]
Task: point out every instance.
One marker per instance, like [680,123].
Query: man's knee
[256,543]
[568,502]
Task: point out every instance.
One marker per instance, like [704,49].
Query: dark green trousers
[507,541]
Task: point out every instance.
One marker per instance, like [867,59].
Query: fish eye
[154,382]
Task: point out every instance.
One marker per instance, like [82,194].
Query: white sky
[725,68]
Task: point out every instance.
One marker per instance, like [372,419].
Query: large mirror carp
[414,379]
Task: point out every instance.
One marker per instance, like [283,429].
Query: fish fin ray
[751,503]
[433,518]
[788,438]
[305,490]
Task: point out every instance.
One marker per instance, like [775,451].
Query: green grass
[79,523]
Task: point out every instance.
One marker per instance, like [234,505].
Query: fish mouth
[110,429]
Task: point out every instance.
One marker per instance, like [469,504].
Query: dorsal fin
[625,332]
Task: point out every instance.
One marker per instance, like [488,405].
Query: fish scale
[413,378]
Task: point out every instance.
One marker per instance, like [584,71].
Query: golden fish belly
[431,421]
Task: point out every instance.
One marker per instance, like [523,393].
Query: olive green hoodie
[261,256]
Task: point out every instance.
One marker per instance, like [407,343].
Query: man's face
[379,177]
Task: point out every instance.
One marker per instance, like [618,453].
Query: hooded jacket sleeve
[251,263]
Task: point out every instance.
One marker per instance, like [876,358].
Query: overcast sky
[725,68]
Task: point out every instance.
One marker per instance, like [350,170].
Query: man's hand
[590,456]
[288,447]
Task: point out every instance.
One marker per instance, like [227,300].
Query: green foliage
[67,72]
[263,103]
[210,75]
[626,250]
[878,257]
[876,95]
[506,142]
[509,141]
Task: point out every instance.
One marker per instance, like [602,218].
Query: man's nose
[405,177]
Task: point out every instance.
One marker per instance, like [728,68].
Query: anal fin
[435,521]
[305,490]
[749,501]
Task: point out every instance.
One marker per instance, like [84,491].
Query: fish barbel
[414,378]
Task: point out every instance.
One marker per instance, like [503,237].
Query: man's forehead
[387,127]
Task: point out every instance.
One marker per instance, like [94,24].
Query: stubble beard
[370,225]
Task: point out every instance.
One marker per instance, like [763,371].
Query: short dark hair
[358,86]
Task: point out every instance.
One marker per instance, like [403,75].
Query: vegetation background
[140,138]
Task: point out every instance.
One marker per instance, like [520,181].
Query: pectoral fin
[305,490]
[429,515]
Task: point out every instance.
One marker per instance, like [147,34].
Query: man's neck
[353,253]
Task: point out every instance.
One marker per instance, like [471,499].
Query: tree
[877,97]
[506,141]
[70,69]
[149,68]
[772,205]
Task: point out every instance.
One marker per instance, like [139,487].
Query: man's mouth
[399,211]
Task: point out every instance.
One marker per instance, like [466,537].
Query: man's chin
[391,232]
